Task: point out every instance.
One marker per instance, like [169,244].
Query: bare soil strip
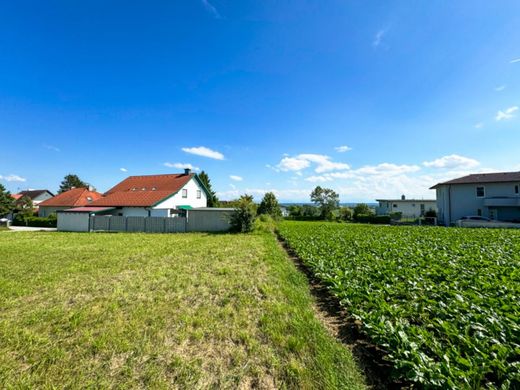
[347,330]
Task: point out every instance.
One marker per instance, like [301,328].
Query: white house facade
[409,208]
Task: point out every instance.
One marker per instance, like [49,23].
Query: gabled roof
[72,198]
[482,178]
[145,191]
[32,193]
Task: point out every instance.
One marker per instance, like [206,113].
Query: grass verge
[161,311]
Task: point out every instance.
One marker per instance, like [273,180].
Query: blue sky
[372,99]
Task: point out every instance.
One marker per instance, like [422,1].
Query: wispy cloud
[211,9]
[451,162]
[123,169]
[13,177]
[378,38]
[342,149]
[500,88]
[204,152]
[51,147]
[236,178]
[506,114]
[321,162]
[515,60]
[479,125]
[181,166]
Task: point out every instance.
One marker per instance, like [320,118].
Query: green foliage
[6,201]
[374,219]
[71,181]
[327,200]
[396,216]
[362,209]
[270,206]
[430,214]
[212,198]
[442,302]
[346,214]
[49,221]
[243,219]
[305,211]
[24,207]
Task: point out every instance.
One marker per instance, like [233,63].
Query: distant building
[409,208]
[36,196]
[75,197]
[492,195]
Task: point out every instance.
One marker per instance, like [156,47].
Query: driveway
[30,229]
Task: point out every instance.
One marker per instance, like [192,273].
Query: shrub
[243,218]
[50,221]
[396,216]
[374,219]
[430,214]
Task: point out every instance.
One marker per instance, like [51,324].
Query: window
[516,189]
[395,206]
[199,194]
[184,193]
[89,199]
[479,212]
[480,192]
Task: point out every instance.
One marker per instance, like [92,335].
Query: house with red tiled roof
[154,195]
[36,196]
[75,197]
[490,195]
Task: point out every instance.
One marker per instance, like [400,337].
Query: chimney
[187,171]
[403,197]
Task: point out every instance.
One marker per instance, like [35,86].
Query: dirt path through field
[347,330]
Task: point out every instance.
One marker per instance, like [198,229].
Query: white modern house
[409,208]
[154,195]
[492,195]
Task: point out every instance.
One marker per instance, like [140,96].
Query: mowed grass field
[160,311]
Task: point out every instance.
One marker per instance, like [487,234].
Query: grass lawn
[160,311]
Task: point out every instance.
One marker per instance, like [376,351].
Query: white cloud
[387,169]
[378,38]
[181,166]
[479,125]
[500,88]
[507,114]
[342,149]
[515,60]
[319,179]
[51,147]
[236,178]
[211,9]
[204,152]
[322,163]
[12,177]
[123,169]
[452,161]
[293,164]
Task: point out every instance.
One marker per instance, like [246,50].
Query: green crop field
[160,311]
[444,303]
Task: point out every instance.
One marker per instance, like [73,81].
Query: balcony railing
[502,202]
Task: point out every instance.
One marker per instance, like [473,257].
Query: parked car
[474,221]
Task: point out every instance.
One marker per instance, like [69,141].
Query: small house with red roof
[154,195]
[75,197]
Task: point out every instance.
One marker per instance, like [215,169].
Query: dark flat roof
[481,178]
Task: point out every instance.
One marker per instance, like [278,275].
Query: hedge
[374,219]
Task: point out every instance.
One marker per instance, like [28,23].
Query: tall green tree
[362,209]
[212,198]
[326,199]
[71,181]
[270,206]
[6,201]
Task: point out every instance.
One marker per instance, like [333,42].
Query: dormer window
[134,189]
[143,189]
[89,199]
[154,188]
